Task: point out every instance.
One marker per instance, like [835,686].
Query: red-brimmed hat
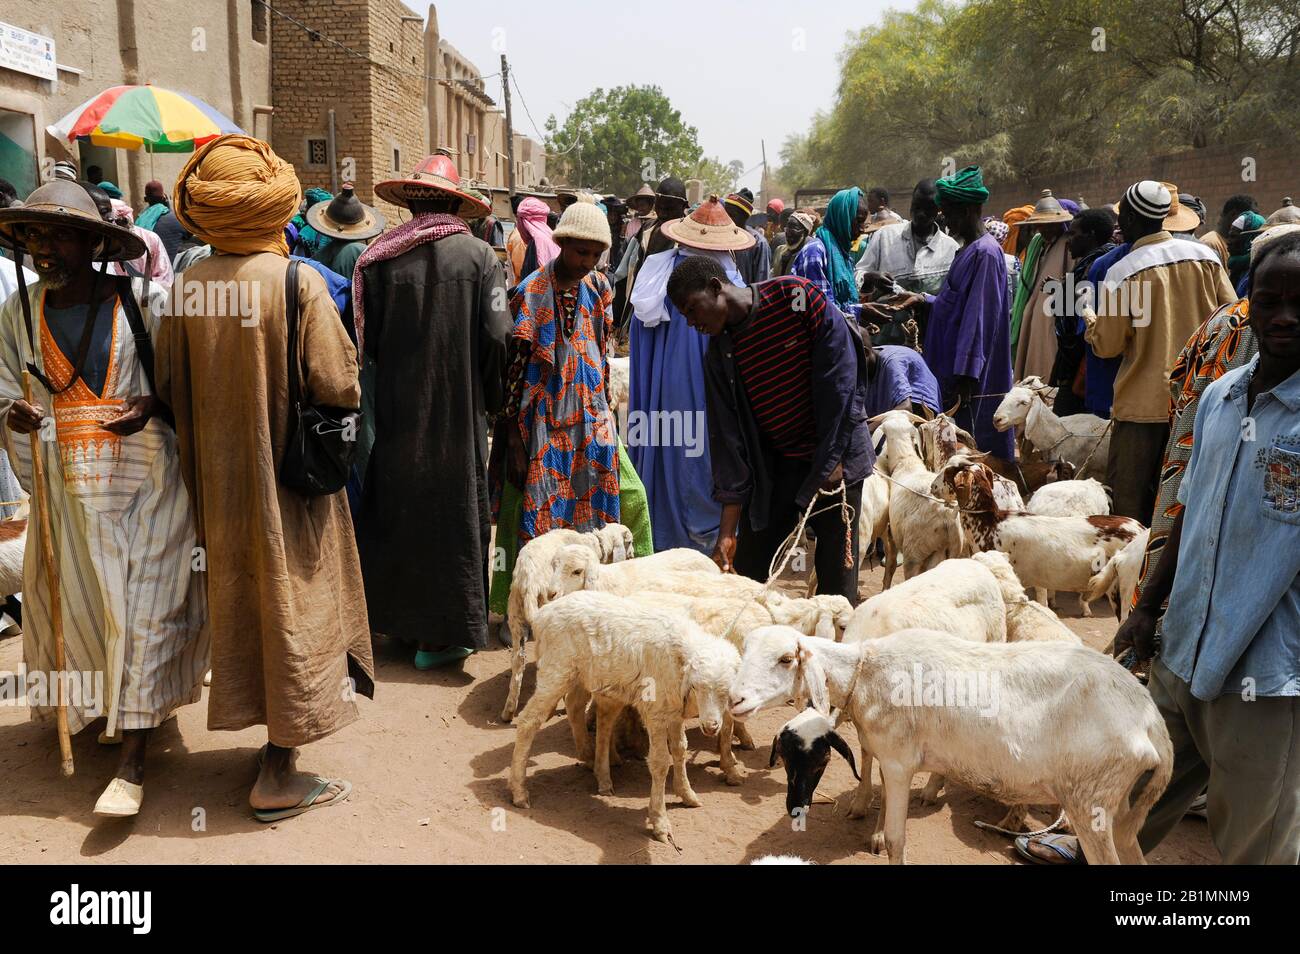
[709,227]
[434,177]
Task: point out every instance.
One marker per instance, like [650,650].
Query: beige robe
[290,639]
[1036,348]
[131,604]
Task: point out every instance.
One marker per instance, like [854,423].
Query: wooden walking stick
[51,581]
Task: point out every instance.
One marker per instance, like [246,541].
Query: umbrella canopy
[144,117]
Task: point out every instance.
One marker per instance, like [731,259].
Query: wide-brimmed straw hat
[435,177]
[345,217]
[645,192]
[1181,218]
[67,204]
[1289,214]
[709,227]
[1047,210]
[882,218]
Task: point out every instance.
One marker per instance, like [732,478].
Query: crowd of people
[480,358]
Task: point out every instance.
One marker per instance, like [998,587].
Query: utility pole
[763,188]
[510,129]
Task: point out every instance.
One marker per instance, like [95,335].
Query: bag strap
[87,331]
[291,315]
[139,333]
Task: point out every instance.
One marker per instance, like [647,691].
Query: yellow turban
[237,195]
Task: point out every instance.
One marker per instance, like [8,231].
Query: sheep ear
[825,625]
[776,751]
[814,681]
[842,747]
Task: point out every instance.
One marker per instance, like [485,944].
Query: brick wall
[1213,174]
[378,100]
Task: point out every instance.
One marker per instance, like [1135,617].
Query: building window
[318,153]
[397,159]
[471,144]
[259,20]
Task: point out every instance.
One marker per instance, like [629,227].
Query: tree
[617,139]
[1027,87]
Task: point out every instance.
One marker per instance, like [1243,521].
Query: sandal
[1066,848]
[433,659]
[309,803]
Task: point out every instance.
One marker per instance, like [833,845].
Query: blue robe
[969,335]
[667,374]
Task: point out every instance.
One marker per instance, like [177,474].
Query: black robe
[437,323]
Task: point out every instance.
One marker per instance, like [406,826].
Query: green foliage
[1026,87]
[619,138]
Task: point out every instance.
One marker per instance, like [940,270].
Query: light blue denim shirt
[1233,623]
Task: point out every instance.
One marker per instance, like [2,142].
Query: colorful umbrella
[148,117]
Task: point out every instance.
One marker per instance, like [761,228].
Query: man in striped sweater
[786,387]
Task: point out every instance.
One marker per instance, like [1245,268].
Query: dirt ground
[429,759]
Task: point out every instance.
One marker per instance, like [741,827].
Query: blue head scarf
[837,235]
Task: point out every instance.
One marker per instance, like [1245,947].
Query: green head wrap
[963,188]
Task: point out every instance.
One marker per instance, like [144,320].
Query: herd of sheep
[954,671]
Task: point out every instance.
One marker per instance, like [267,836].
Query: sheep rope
[790,544]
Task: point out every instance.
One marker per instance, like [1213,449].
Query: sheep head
[710,673]
[575,567]
[779,664]
[804,746]
[967,482]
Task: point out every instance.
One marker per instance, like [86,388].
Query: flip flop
[308,803]
[1054,841]
[425,659]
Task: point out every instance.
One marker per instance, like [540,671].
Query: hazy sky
[739,72]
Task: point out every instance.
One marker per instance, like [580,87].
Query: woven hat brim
[1184,220]
[121,245]
[712,238]
[370,226]
[1048,218]
[401,191]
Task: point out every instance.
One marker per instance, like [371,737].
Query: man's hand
[1138,631]
[135,415]
[908,300]
[724,553]
[25,418]
[833,481]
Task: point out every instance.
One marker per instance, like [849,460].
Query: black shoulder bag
[322,440]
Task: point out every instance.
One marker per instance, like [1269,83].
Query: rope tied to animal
[790,544]
[989,826]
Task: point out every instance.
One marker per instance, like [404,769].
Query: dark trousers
[1137,452]
[755,548]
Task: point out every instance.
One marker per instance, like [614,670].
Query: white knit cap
[1268,237]
[1149,199]
[583,220]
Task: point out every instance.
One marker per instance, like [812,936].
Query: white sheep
[959,596]
[1027,620]
[1027,722]
[530,582]
[575,568]
[626,654]
[1069,498]
[1119,578]
[1075,437]
[922,529]
[1047,553]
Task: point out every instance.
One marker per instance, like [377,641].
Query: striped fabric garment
[773,353]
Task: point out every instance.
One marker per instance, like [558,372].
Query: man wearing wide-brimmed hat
[287,612]
[121,524]
[349,225]
[1151,302]
[667,374]
[432,323]
[1047,260]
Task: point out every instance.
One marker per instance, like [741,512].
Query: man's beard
[55,278]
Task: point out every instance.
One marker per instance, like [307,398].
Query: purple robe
[969,334]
